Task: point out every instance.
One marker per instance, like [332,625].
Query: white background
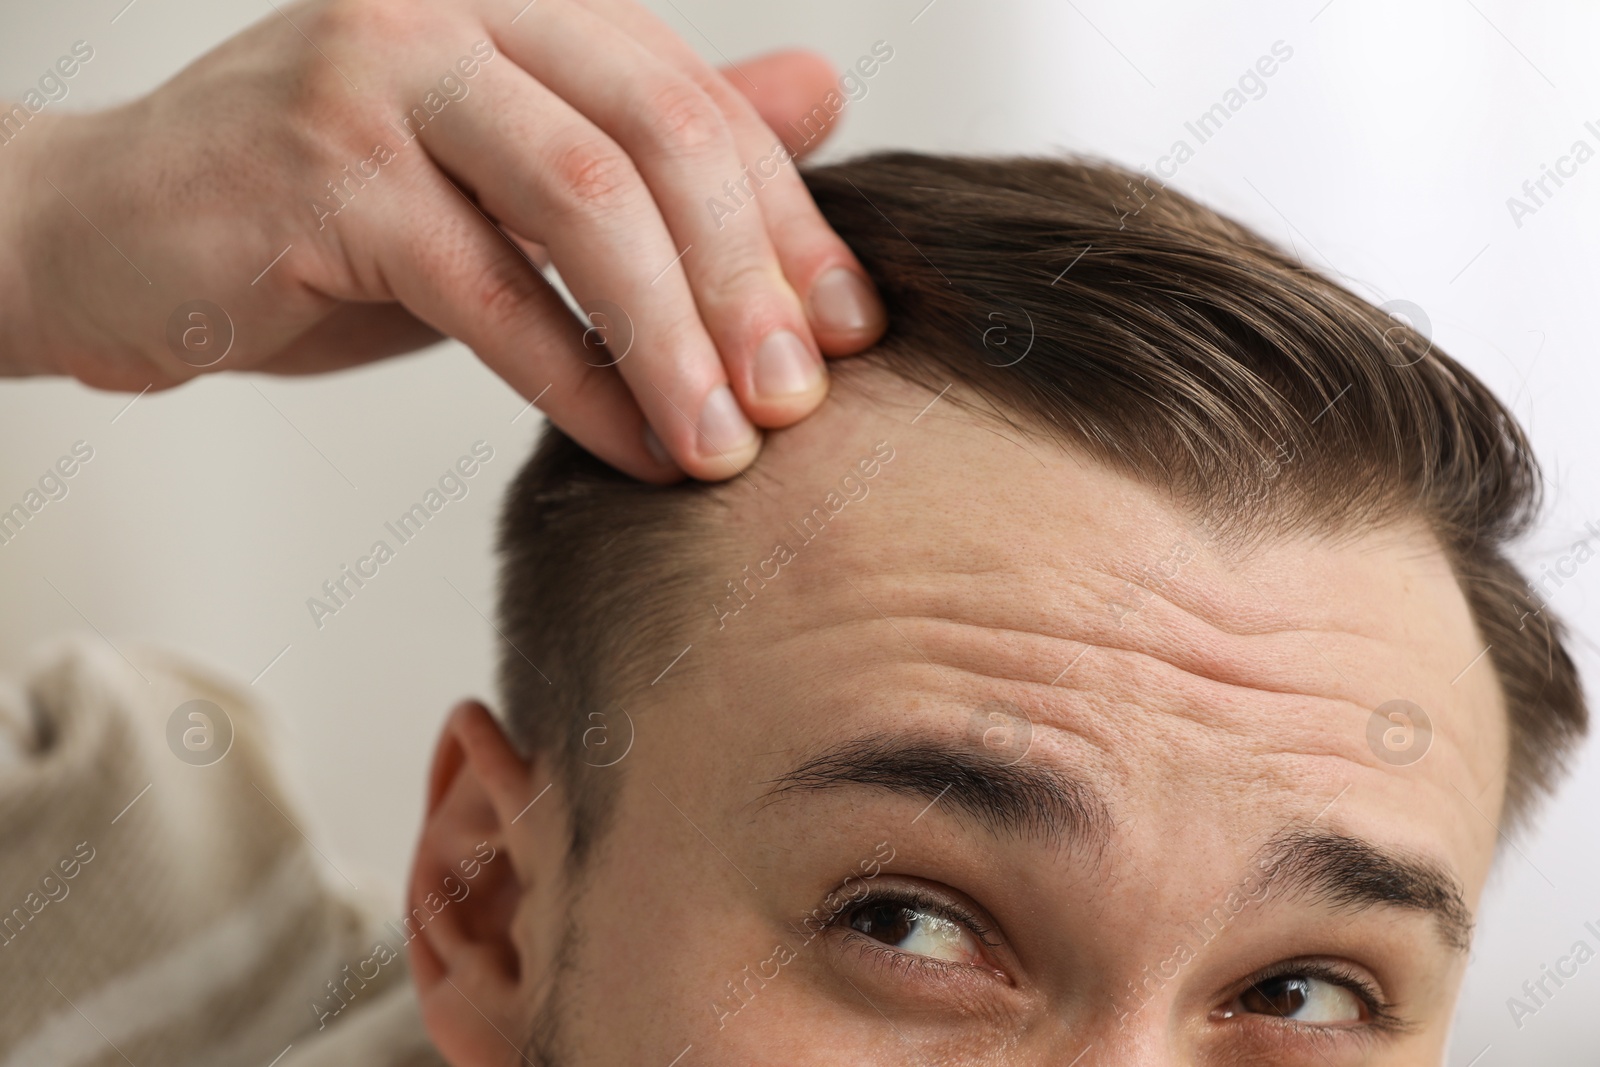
[1384,149]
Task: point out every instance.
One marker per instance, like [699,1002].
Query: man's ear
[484,905]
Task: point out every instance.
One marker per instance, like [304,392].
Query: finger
[682,145]
[547,172]
[841,304]
[455,272]
[784,88]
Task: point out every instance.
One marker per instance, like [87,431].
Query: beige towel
[162,910]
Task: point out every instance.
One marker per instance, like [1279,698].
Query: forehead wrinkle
[1084,648]
[1124,675]
[1297,658]
[1098,673]
[1289,659]
[1116,721]
[1026,632]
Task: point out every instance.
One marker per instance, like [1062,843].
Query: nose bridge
[1136,1022]
[1145,1044]
[1102,1029]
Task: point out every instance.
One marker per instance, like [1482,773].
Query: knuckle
[365,22]
[591,174]
[803,234]
[737,281]
[681,117]
[316,96]
[325,88]
[505,293]
[722,93]
[738,113]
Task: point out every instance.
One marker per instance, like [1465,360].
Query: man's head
[1124,662]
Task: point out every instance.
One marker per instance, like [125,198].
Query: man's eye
[916,930]
[1303,998]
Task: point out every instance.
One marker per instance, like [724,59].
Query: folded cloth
[159,903]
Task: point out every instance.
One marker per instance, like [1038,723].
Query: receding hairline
[862,378]
[1201,347]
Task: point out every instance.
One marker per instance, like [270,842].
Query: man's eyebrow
[1005,797]
[1354,874]
[1030,799]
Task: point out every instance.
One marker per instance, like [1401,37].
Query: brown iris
[887,922]
[1277,996]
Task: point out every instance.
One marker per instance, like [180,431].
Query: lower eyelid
[910,964]
[888,955]
[1289,1038]
[1283,1041]
[867,944]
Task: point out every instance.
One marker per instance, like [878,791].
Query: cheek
[660,931]
[673,946]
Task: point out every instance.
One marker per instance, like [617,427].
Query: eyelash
[1382,1017]
[912,898]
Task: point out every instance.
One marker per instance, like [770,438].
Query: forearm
[71,208]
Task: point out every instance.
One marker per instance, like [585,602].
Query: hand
[350,179]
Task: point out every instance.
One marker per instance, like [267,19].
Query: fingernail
[723,427]
[843,302]
[785,367]
[653,445]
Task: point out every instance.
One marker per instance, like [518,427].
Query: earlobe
[481,853]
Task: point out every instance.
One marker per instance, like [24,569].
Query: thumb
[786,87]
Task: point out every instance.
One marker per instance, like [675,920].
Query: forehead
[989,586]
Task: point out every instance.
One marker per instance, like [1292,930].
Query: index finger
[783,90]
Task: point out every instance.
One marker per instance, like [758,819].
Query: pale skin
[985,570]
[582,133]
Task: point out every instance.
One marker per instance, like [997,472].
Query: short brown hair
[1172,343]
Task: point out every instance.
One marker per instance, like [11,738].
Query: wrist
[25,212]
